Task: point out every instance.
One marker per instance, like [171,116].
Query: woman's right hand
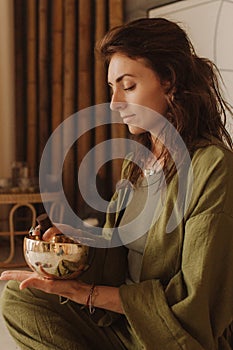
[50,233]
[77,235]
[64,229]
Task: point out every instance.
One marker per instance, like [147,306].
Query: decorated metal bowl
[57,259]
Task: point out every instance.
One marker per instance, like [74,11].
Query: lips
[128,118]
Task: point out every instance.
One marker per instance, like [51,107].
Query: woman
[162,290]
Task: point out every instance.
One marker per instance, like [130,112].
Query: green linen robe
[185,296]
[184,299]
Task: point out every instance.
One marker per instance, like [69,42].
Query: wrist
[91,294]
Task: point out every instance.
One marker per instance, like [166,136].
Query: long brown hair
[196,107]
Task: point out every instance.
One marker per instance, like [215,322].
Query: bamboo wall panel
[32,87]
[84,79]
[101,91]
[69,95]
[115,13]
[20,77]
[117,130]
[7,97]
[57,40]
[43,74]
[63,76]
[57,64]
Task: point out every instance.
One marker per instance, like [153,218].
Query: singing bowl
[56,260]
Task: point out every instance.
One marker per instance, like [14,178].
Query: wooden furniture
[26,200]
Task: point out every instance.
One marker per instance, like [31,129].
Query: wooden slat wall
[32,88]
[62,76]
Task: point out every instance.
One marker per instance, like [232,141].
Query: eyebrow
[121,77]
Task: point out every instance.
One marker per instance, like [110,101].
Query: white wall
[210,26]
[139,8]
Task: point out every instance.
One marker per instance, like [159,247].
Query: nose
[117,102]
[117,106]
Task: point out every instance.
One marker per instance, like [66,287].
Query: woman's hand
[50,233]
[73,289]
[74,234]
[105,297]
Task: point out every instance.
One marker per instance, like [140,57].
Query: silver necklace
[148,172]
[153,168]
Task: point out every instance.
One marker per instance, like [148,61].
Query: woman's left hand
[73,289]
[105,297]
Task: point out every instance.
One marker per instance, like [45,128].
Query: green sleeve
[194,309]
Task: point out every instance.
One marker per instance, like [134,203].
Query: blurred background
[49,71]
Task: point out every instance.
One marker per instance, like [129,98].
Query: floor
[6,341]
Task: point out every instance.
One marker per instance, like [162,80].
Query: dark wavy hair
[196,107]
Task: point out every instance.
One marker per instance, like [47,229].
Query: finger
[16,275]
[50,233]
[45,284]
[37,282]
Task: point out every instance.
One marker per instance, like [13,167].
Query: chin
[135,130]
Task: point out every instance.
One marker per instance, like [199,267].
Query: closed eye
[130,87]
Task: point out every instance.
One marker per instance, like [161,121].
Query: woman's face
[135,86]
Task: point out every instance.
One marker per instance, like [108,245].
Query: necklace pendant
[148,172]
